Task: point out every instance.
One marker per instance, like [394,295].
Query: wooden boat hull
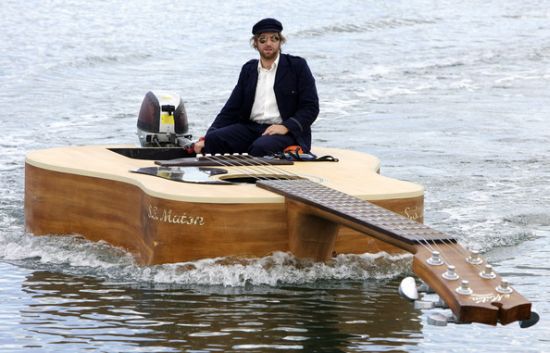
[161,221]
[91,191]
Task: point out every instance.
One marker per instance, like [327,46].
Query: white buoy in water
[407,289]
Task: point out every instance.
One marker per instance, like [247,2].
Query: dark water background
[451,95]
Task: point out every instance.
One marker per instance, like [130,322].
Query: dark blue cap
[267,25]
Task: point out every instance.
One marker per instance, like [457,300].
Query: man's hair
[254,39]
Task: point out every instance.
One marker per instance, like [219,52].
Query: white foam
[79,256]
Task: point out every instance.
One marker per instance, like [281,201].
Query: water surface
[453,96]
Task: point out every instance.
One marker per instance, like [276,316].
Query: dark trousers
[246,138]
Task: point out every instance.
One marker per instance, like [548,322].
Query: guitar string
[221,159]
[246,162]
[264,165]
[428,244]
[464,254]
[233,162]
[253,164]
[256,163]
[277,170]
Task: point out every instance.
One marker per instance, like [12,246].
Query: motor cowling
[162,121]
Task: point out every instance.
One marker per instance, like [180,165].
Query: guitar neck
[358,214]
[471,296]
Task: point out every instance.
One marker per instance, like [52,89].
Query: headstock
[469,286]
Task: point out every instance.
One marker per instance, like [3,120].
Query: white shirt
[264,109]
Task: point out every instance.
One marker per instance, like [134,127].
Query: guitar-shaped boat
[236,206]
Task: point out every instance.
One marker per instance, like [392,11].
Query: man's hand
[276,130]
[199,145]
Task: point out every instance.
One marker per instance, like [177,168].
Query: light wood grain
[74,191]
[355,174]
[90,192]
[485,304]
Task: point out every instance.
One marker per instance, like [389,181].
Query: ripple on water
[453,97]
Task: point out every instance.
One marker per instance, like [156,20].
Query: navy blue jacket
[295,92]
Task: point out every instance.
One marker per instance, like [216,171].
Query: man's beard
[271,56]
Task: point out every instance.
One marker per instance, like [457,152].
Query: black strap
[304,157]
[326,158]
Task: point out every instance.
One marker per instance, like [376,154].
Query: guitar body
[183,212]
[91,191]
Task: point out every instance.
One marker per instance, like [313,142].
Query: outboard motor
[162,121]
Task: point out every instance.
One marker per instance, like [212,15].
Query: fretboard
[355,211]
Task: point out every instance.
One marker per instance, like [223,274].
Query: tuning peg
[464,288]
[504,287]
[435,260]
[474,258]
[451,274]
[407,289]
[488,272]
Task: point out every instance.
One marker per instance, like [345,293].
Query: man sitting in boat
[273,104]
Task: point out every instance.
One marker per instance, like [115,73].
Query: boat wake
[77,256]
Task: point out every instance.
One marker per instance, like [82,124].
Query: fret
[356,210]
[314,211]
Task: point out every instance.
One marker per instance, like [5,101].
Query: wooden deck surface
[355,174]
